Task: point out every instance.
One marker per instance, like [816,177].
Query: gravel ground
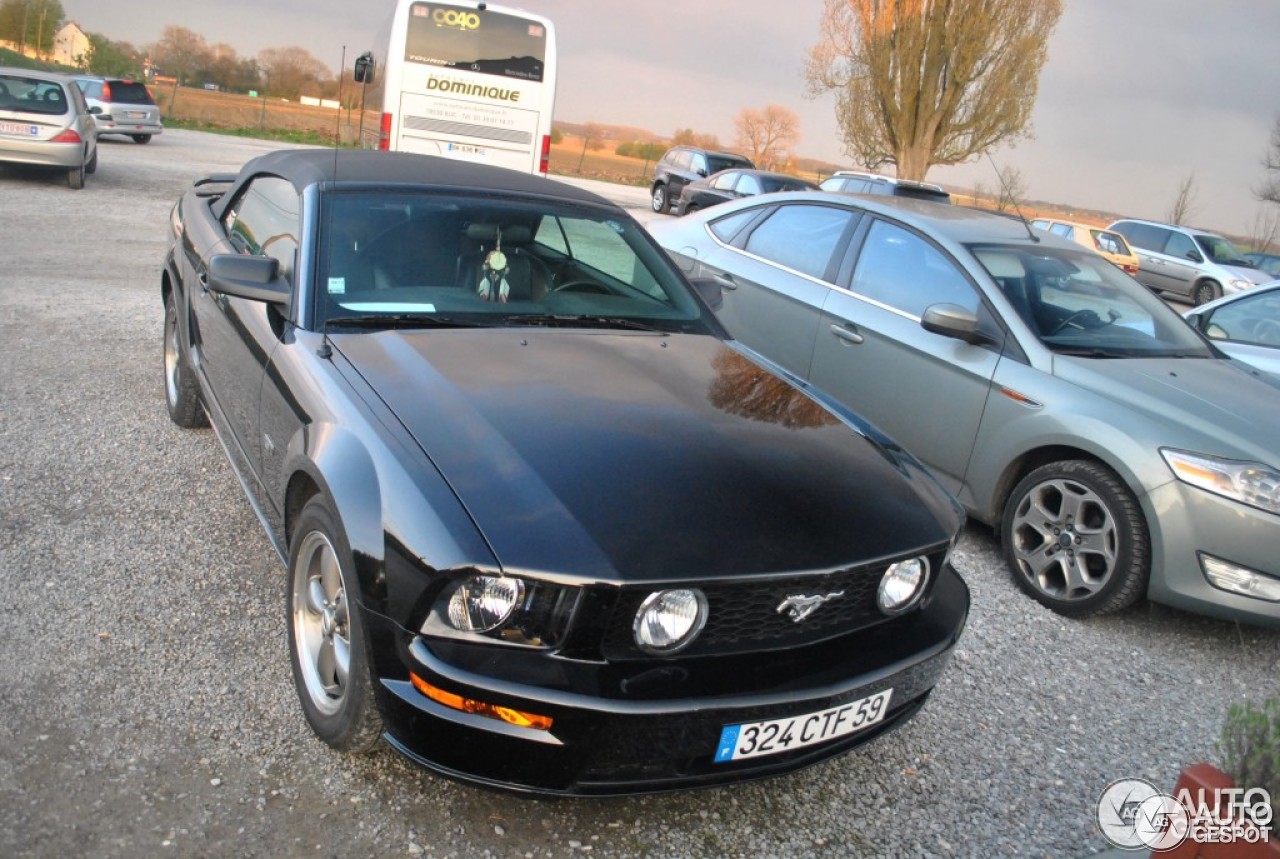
[148,709]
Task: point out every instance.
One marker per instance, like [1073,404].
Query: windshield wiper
[1092,352]
[403,320]
[575,320]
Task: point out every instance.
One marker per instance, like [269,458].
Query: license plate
[135,114]
[18,128]
[756,739]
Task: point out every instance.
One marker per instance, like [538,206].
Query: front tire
[181,394]
[1076,540]
[327,644]
[660,201]
[1204,292]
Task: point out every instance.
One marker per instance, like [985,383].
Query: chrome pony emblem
[800,606]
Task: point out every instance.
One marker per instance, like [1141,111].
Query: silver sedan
[45,122]
[1245,325]
[1116,451]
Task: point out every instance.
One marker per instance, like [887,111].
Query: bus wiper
[575,320]
[403,320]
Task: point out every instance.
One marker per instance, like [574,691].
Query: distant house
[70,45]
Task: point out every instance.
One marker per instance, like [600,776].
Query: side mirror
[709,289]
[363,72]
[96,111]
[1194,256]
[253,277]
[952,320]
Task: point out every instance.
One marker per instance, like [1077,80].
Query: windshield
[1078,303]
[418,257]
[1222,251]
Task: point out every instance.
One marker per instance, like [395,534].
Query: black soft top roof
[303,167]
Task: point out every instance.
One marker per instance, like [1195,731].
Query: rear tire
[75,177]
[92,166]
[660,201]
[1204,292]
[142,138]
[1076,540]
[328,649]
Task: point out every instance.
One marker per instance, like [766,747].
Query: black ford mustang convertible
[546,525]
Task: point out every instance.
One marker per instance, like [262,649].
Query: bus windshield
[486,42]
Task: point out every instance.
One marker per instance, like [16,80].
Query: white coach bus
[464,80]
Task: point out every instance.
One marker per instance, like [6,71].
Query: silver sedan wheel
[321,623]
[1065,539]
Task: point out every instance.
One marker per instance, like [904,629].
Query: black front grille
[744,617]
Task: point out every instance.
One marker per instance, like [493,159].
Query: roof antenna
[337,126]
[1030,232]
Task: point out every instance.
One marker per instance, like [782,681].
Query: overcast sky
[1136,94]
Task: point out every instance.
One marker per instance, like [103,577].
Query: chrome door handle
[844,332]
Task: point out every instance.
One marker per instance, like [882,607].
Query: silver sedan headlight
[1249,483]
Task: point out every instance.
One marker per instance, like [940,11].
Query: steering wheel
[582,285]
[1267,331]
[1078,315]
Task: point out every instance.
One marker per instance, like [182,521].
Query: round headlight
[483,603]
[669,621]
[902,585]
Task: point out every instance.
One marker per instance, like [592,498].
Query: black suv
[850,182]
[684,164]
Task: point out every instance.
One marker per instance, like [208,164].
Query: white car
[1245,325]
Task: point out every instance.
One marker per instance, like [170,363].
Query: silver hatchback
[126,107]
[1115,449]
[44,122]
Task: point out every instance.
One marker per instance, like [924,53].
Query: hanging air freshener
[493,284]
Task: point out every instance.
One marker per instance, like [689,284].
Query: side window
[1143,236]
[1180,246]
[698,163]
[681,159]
[265,221]
[725,181]
[726,228]
[800,237]
[899,269]
[1060,230]
[749,185]
[1249,320]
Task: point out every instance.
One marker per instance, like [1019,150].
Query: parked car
[1109,245]
[44,122]
[544,526]
[732,184]
[127,107]
[681,165]
[1269,263]
[852,182]
[1246,326]
[1114,449]
[1190,263]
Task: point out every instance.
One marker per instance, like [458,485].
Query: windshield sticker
[389,307]
[337,285]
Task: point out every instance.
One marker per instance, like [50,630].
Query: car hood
[1253,275]
[618,456]
[1210,405]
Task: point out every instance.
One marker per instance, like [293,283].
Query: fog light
[482,603]
[480,708]
[1235,579]
[902,585]
[668,621]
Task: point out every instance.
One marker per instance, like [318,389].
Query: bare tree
[689,137]
[293,71]
[924,82]
[1013,189]
[1184,203]
[593,139]
[180,52]
[1266,230]
[769,135]
[1269,192]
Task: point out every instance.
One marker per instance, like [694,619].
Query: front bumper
[656,726]
[1186,523]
